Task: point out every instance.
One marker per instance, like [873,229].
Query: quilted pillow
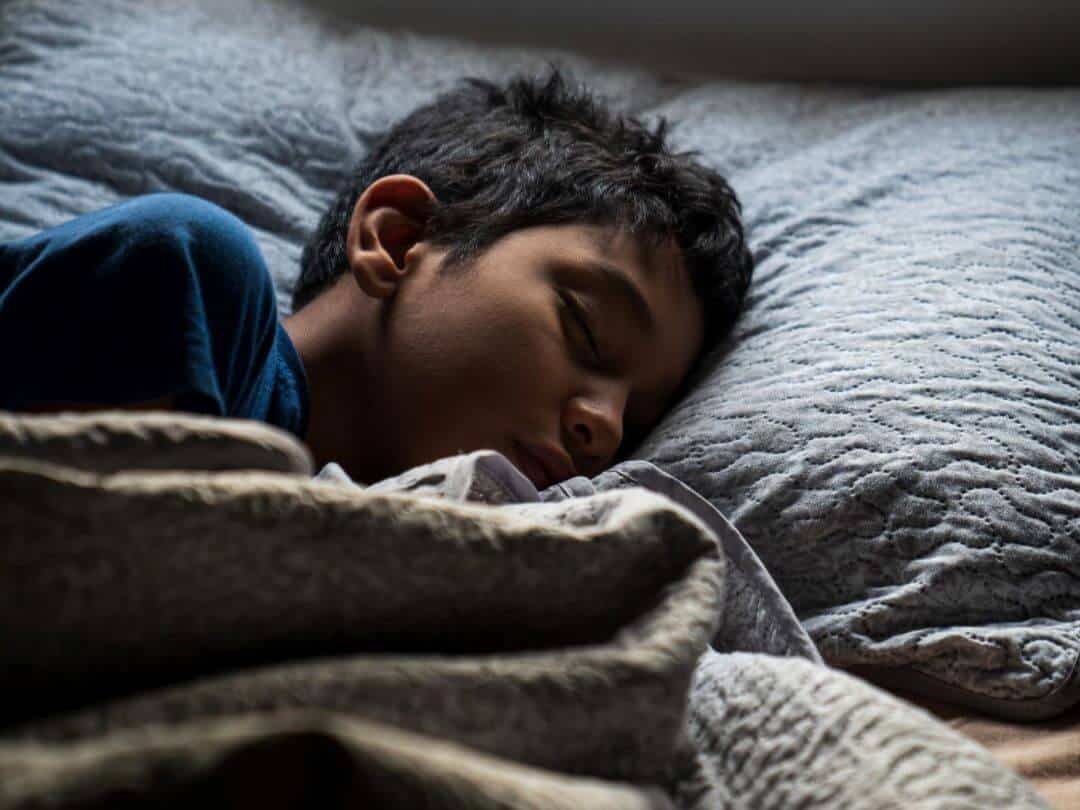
[894,425]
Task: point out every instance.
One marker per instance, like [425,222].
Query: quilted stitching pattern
[894,424]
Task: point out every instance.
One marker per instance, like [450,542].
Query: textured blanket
[180,628]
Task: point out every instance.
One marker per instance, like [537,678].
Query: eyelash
[582,321]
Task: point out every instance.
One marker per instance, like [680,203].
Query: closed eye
[582,320]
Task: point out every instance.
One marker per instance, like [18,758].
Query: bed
[887,448]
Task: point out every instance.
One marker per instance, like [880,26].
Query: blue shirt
[163,295]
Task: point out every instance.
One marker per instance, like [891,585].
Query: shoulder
[163,211]
[214,242]
[161,294]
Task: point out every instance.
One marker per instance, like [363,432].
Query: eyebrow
[618,284]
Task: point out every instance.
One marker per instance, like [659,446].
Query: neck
[334,335]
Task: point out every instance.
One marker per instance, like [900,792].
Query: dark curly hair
[543,152]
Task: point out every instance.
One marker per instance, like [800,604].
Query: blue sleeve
[162,295]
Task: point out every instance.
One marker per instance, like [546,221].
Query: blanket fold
[294,760]
[559,635]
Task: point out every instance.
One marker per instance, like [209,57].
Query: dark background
[920,40]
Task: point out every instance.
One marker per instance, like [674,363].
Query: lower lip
[534,470]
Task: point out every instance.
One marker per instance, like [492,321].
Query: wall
[919,40]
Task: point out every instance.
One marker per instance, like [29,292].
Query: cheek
[512,358]
[469,350]
[471,375]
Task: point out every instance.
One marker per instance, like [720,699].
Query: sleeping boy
[512,267]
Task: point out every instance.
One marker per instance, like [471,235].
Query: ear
[387,221]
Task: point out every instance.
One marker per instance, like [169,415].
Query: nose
[594,422]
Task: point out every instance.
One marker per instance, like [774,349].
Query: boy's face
[498,354]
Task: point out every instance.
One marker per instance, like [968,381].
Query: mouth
[531,466]
[543,467]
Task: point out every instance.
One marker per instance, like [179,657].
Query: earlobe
[387,222]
